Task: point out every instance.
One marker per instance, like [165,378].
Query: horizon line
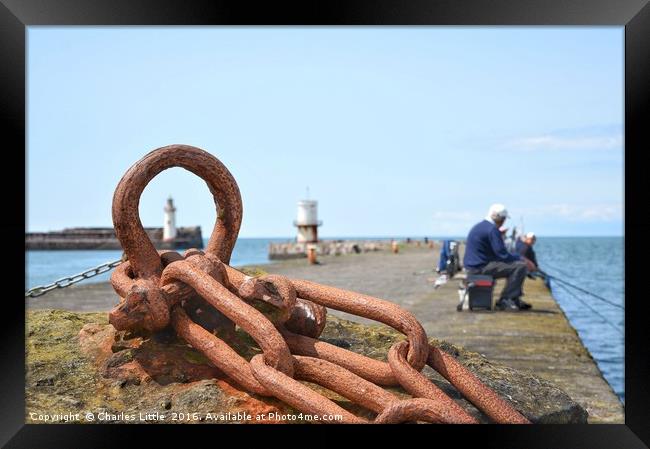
[420,236]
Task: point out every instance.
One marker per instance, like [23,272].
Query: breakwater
[295,250]
[105,238]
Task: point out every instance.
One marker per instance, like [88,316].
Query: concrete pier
[296,250]
[540,340]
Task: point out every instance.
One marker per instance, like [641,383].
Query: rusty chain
[202,298]
[70,280]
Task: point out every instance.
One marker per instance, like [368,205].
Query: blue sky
[396,131]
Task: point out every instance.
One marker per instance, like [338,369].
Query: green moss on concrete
[61,379]
[252,270]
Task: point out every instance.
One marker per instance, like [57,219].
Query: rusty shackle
[144,304]
[145,260]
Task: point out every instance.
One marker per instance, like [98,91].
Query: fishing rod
[562,281]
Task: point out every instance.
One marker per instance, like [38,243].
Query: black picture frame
[634,15]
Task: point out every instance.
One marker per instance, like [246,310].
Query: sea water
[595,264]
[46,266]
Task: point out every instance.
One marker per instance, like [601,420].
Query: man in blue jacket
[485,253]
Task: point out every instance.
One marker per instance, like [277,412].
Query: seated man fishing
[524,247]
[485,253]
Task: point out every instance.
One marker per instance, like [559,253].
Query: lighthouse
[307,221]
[169,228]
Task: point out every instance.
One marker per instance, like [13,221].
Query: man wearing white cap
[485,253]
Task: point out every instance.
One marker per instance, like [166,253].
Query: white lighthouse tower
[307,221]
[169,229]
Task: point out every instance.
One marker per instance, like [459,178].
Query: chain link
[70,280]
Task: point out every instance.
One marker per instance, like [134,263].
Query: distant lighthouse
[169,229]
[307,221]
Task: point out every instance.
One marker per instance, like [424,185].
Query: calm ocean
[594,263]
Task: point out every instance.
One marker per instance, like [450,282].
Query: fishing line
[562,272]
[593,310]
[584,291]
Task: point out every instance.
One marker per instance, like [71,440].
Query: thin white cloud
[577,213]
[555,142]
[459,222]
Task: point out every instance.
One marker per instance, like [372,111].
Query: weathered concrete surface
[77,363]
[541,341]
[82,297]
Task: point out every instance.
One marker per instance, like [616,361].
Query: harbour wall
[295,250]
[105,238]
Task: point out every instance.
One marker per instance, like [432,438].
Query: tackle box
[479,291]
